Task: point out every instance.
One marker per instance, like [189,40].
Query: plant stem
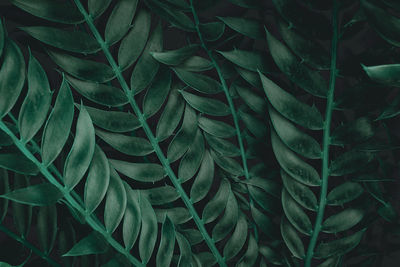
[153,140]
[228,97]
[326,138]
[27,244]
[68,197]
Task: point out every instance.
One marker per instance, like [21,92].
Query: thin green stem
[228,97]
[153,140]
[27,244]
[326,139]
[91,221]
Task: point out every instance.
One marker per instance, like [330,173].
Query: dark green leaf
[250,256]
[212,31]
[204,179]
[47,227]
[293,164]
[290,107]
[353,132]
[12,76]
[227,164]
[385,74]
[120,20]
[97,7]
[36,105]
[295,214]
[157,93]
[249,60]
[191,161]
[91,244]
[196,64]
[217,204]
[81,153]
[167,244]
[206,105]
[228,220]
[199,82]
[248,27]
[72,41]
[175,57]
[310,80]
[116,202]
[148,234]
[135,41]
[254,101]
[160,195]
[349,162]
[216,128]
[222,146]
[343,220]
[338,247]
[99,93]
[62,12]
[344,193]
[132,218]
[97,180]
[237,240]
[18,162]
[143,172]
[130,145]
[35,195]
[293,137]
[292,239]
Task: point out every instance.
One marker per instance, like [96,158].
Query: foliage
[152,133]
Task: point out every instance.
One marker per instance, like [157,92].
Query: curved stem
[326,139]
[27,244]
[153,140]
[91,221]
[228,97]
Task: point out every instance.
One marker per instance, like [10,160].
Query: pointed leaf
[295,214]
[132,218]
[148,234]
[343,220]
[248,27]
[167,244]
[18,162]
[216,128]
[91,244]
[199,82]
[249,60]
[157,93]
[292,239]
[208,106]
[116,202]
[175,57]
[344,193]
[204,179]
[349,162]
[35,195]
[143,172]
[120,20]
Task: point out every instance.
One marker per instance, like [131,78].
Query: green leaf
[58,125]
[175,57]
[97,180]
[290,107]
[148,234]
[97,7]
[343,220]
[147,67]
[130,145]
[81,153]
[249,60]
[91,244]
[185,255]
[4,188]
[196,64]
[227,164]
[310,80]
[35,195]
[293,137]
[12,76]
[344,193]
[47,227]
[293,164]
[116,202]
[237,239]
[253,100]
[135,41]
[206,105]
[171,116]
[182,140]
[299,192]
[18,163]
[257,127]
[228,220]
[292,239]
[203,181]
[250,256]
[72,41]
[99,93]
[349,162]
[264,223]
[62,12]
[222,146]
[120,20]
[212,31]
[157,93]
[132,218]
[386,25]
[33,112]
[143,172]
[266,201]
[191,161]
[217,204]
[385,74]
[248,27]
[87,70]
[161,195]
[175,17]
[338,247]
[22,214]
[295,214]
[353,132]
[199,82]
[216,128]
[114,121]
[307,49]
[167,244]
